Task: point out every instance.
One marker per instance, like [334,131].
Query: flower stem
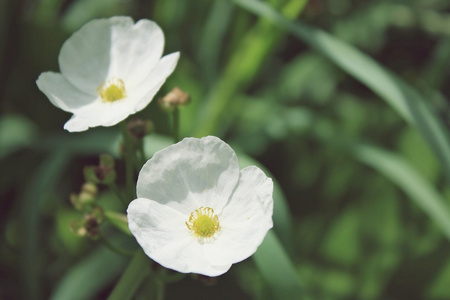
[142,153]
[159,290]
[129,164]
[137,270]
[176,124]
[113,187]
[114,248]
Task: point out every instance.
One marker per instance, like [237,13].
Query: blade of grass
[44,179]
[242,67]
[89,276]
[282,217]
[138,268]
[395,168]
[278,270]
[213,38]
[404,99]
[409,180]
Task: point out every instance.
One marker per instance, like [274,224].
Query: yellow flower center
[203,222]
[112,90]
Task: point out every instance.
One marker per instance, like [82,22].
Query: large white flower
[196,212]
[110,68]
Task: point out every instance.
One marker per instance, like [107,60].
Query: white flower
[196,212]
[110,68]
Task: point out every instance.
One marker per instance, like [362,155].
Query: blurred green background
[352,122]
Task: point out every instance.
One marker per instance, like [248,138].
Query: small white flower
[110,68]
[196,212]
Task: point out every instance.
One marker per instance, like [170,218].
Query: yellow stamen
[203,222]
[112,90]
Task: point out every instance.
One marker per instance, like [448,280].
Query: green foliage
[351,120]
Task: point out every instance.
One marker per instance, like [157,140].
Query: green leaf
[93,141]
[89,276]
[281,215]
[44,180]
[440,289]
[277,269]
[241,70]
[15,132]
[404,99]
[409,180]
[138,268]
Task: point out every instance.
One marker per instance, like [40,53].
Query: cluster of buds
[176,97]
[104,173]
[89,225]
[86,197]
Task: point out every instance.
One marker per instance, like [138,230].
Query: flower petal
[61,93]
[153,82]
[165,238]
[100,113]
[245,220]
[85,57]
[107,48]
[135,49]
[190,174]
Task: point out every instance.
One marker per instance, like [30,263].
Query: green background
[343,102]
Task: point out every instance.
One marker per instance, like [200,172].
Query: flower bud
[104,173]
[86,196]
[139,128]
[89,225]
[176,97]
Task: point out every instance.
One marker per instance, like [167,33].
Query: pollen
[112,90]
[203,222]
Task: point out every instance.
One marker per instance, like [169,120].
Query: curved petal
[153,82]
[135,50]
[61,93]
[100,113]
[164,237]
[245,220]
[190,174]
[85,57]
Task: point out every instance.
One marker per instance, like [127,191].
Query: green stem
[129,164]
[176,124]
[142,153]
[114,248]
[113,187]
[159,290]
[138,269]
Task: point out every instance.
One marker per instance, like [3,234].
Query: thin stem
[173,277]
[114,248]
[129,163]
[116,191]
[137,270]
[159,290]
[142,153]
[176,124]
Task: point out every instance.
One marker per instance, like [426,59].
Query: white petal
[61,93]
[85,57]
[165,238]
[135,50]
[100,113]
[151,85]
[190,174]
[245,220]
